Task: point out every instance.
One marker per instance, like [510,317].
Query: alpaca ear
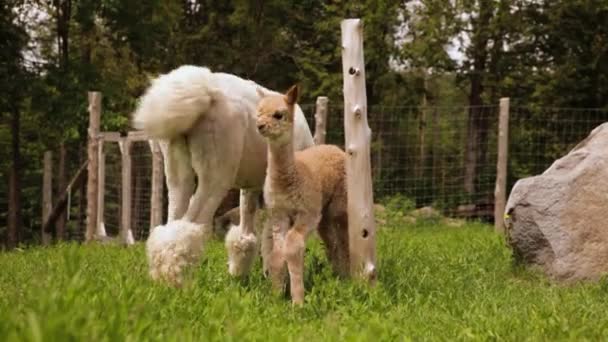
[291,97]
[260,92]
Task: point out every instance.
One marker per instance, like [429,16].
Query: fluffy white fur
[181,95]
[206,126]
[168,255]
[242,249]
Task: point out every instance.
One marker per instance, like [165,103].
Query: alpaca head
[275,115]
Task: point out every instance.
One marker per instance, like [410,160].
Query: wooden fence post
[320,120]
[156,198]
[500,192]
[125,226]
[101,190]
[47,194]
[93,168]
[362,226]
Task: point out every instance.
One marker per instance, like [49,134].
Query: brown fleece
[303,191]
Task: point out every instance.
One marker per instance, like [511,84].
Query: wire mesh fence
[443,157]
[141,180]
[539,136]
[112,188]
[30,180]
[422,153]
[74,217]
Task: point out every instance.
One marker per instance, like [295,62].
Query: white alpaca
[206,125]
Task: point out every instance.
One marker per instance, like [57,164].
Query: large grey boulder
[559,219]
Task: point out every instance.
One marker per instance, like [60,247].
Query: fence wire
[141,180]
[112,188]
[421,153]
[141,189]
[443,157]
[539,136]
[75,156]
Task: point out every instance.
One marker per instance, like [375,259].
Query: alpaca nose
[261,126]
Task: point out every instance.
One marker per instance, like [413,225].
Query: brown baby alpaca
[303,191]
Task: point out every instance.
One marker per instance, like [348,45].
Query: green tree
[14,39]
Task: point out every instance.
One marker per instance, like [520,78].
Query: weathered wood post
[156,198]
[362,227]
[320,120]
[101,189]
[93,167]
[125,221]
[500,192]
[47,193]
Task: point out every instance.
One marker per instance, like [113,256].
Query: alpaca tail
[174,102]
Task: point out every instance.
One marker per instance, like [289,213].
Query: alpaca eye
[277,115]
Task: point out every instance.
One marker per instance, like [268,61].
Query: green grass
[435,283]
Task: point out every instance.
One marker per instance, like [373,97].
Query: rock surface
[558,220]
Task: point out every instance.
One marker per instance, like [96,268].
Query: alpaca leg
[216,145]
[295,243]
[173,247]
[241,242]
[266,247]
[211,189]
[278,226]
[179,175]
[248,205]
[342,249]
[329,235]
[178,245]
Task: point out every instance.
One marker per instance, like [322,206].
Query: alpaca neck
[281,161]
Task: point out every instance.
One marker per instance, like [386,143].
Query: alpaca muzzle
[261,128]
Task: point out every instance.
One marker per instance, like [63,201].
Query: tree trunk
[63,10]
[47,195]
[61,185]
[93,158]
[14,192]
[477,123]
[82,196]
[470,166]
[421,160]
[436,150]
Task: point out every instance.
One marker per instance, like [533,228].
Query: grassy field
[435,283]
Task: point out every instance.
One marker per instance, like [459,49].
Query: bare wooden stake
[500,192]
[101,190]
[93,167]
[47,194]
[362,226]
[125,222]
[321,120]
[156,198]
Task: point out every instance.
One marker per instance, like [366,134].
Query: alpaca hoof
[370,272]
[172,248]
[242,250]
